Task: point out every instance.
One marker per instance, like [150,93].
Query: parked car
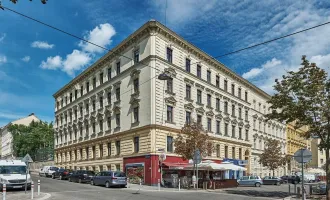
[109,179]
[250,181]
[81,176]
[285,179]
[294,179]
[272,180]
[61,174]
[47,171]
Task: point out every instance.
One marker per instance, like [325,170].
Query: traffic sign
[197,157]
[27,158]
[162,157]
[303,155]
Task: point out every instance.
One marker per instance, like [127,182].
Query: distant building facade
[318,157]
[7,137]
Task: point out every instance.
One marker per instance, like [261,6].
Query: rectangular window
[118,94]
[87,130]
[233,111]
[226,129]
[109,149]
[109,123]
[87,108]
[239,133]
[136,114]
[218,127]
[226,107]
[199,96]
[93,125]
[109,73]
[188,92]
[246,96]
[66,100]
[81,90]
[199,119]
[109,97]
[169,113]
[169,55]
[169,84]
[94,82]
[217,104]
[136,144]
[240,113]
[218,150]
[169,144]
[81,111]
[136,85]
[240,153]
[199,71]
[76,94]
[118,68]
[94,105]
[87,86]
[101,150]
[226,151]
[188,117]
[209,101]
[217,81]
[136,56]
[209,125]
[101,102]
[70,97]
[93,152]
[209,76]
[225,86]
[233,152]
[187,65]
[118,147]
[246,115]
[118,120]
[87,153]
[75,114]
[101,78]
[233,131]
[101,124]
[240,93]
[233,89]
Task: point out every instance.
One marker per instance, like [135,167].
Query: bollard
[158,185]
[179,185]
[295,188]
[127,182]
[32,189]
[4,191]
[38,187]
[289,188]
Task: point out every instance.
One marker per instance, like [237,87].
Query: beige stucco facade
[230,108]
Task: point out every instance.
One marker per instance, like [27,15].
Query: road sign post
[161,158]
[303,156]
[27,159]
[197,160]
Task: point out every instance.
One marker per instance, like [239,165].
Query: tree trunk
[327,163]
[273,172]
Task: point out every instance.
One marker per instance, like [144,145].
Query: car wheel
[92,182]
[79,181]
[61,177]
[53,176]
[107,184]
[257,184]
[123,186]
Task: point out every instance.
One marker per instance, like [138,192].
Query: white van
[47,171]
[13,174]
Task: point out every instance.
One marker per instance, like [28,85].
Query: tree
[272,156]
[304,96]
[192,137]
[37,139]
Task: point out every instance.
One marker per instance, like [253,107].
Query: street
[60,190]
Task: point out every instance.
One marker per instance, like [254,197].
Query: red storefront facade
[148,169]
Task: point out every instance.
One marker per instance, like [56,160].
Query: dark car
[81,176]
[285,179]
[272,180]
[110,178]
[294,179]
[61,173]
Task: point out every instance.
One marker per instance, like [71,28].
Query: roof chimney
[31,114]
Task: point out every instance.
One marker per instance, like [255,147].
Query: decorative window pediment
[100,94]
[134,101]
[93,97]
[261,119]
[247,126]
[170,100]
[135,73]
[234,122]
[187,80]
[226,99]
[199,86]
[227,119]
[217,94]
[117,84]
[99,116]
[170,71]
[189,106]
[209,114]
[200,110]
[240,124]
[255,116]
[209,90]
[219,116]
[108,89]
[116,109]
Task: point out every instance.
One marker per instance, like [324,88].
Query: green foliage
[272,157]
[32,139]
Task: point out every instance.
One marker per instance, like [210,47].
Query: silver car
[250,181]
[109,179]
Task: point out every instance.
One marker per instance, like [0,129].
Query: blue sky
[35,61]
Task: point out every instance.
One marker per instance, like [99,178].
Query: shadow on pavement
[255,193]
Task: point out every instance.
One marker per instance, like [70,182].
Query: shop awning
[212,166]
[175,165]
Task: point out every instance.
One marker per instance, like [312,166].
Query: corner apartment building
[117,114]
[318,157]
[7,137]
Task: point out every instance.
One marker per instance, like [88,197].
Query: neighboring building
[117,115]
[295,141]
[318,157]
[6,136]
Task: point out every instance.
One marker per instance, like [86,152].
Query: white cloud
[2,37]
[257,71]
[42,45]
[26,58]
[100,35]
[3,59]
[52,63]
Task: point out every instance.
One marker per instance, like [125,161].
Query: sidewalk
[137,187]
[23,196]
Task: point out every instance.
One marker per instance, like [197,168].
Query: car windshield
[53,168]
[119,174]
[12,169]
[90,172]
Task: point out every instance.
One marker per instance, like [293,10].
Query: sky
[36,61]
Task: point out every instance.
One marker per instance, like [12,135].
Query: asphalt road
[61,190]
